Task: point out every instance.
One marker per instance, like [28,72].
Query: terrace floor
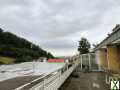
[86,81]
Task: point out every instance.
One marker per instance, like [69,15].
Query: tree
[1,30]
[23,59]
[84,46]
[23,50]
[94,45]
[49,55]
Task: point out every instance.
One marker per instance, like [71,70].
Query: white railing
[55,80]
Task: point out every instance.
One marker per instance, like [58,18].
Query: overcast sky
[58,25]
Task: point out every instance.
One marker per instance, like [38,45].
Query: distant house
[42,59]
[56,60]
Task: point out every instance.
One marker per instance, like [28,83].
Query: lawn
[6,60]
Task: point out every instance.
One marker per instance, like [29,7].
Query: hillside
[19,48]
[6,60]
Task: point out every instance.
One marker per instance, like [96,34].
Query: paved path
[86,81]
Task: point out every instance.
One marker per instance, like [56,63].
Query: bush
[1,63]
[75,75]
[23,59]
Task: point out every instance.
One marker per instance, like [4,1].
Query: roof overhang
[113,38]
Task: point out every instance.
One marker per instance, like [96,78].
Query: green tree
[49,55]
[23,59]
[23,50]
[84,46]
[1,30]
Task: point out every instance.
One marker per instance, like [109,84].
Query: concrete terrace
[86,81]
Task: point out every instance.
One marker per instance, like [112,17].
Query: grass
[6,60]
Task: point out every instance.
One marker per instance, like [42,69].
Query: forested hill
[19,48]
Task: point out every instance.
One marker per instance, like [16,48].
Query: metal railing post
[89,58]
[81,61]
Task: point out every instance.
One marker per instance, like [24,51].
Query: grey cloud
[53,23]
[58,44]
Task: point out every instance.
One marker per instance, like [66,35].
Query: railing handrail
[35,80]
[47,82]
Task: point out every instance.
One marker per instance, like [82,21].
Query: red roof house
[56,60]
